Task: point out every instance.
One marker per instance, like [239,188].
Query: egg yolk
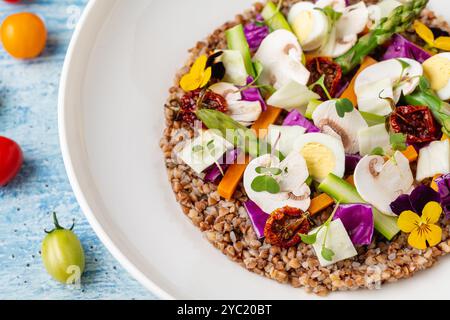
[303,25]
[319,159]
[437,69]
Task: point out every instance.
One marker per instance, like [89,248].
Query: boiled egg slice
[324,154]
[310,25]
[437,70]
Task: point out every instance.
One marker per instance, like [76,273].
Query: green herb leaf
[332,14]
[405,65]
[327,254]
[309,238]
[398,141]
[272,171]
[344,106]
[265,183]
[378,151]
[321,83]
[198,148]
[424,84]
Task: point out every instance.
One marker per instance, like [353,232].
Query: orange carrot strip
[444,137]
[411,154]
[323,201]
[320,203]
[265,120]
[231,180]
[349,93]
[434,185]
[234,174]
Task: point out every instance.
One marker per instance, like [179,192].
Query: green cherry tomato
[63,255]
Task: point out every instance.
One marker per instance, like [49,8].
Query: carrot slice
[234,174]
[433,184]
[411,154]
[267,118]
[349,93]
[320,203]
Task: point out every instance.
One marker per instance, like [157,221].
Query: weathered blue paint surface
[28,114]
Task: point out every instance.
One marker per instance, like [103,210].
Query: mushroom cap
[380,183]
[280,55]
[244,112]
[294,191]
[346,129]
[392,70]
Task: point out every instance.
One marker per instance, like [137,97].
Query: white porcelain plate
[119,67]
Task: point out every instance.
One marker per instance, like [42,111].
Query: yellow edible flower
[422,230]
[198,76]
[442,43]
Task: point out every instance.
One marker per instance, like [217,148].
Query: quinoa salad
[309,141]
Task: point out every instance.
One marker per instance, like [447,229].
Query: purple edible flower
[443,184]
[415,202]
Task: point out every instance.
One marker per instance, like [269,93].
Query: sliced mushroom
[380,183]
[294,191]
[337,5]
[346,129]
[386,76]
[344,34]
[244,112]
[280,55]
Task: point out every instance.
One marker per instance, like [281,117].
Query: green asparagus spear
[399,21]
[274,18]
[240,136]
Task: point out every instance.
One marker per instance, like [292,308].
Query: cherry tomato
[285,226]
[63,255]
[11,159]
[23,35]
[417,122]
[12,1]
[322,66]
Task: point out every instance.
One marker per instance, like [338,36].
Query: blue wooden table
[28,114]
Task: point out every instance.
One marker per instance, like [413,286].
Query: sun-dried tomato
[285,226]
[416,122]
[200,99]
[333,75]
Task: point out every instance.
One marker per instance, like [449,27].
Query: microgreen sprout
[321,83]
[311,239]
[344,106]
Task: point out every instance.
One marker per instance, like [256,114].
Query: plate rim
[86,209]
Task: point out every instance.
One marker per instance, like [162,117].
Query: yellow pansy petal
[431,213]
[434,235]
[199,65]
[442,43]
[206,77]
[408,221]
[417,239]
[189,82]
[424,32]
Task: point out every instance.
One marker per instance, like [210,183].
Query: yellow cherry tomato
[23,35]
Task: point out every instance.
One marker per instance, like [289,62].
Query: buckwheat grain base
[226,225]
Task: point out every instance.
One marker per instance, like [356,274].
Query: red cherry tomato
[11,159]
[12,1]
